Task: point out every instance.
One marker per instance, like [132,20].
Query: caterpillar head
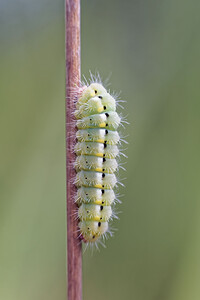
[95,89]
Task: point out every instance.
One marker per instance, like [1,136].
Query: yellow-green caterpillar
[96,150]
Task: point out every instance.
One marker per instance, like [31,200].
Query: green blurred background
[152,49]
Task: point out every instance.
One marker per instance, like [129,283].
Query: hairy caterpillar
[96,150]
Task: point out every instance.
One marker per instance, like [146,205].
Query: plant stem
[74,253]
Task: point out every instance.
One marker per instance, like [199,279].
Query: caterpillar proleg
[96,150]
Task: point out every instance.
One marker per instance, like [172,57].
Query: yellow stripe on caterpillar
[102,125]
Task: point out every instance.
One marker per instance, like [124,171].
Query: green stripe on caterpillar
[96,150]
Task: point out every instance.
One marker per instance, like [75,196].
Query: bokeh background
[152,50]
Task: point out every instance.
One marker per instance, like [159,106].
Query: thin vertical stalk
[74,253]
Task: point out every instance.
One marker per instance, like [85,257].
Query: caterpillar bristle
[96,147]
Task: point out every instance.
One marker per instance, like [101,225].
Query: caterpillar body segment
[96,150]
[94,212]
[96,105]
[95,179]
[110,121]
[98,135]
[95,163]
[95,196]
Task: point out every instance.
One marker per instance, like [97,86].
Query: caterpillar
[97,149]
